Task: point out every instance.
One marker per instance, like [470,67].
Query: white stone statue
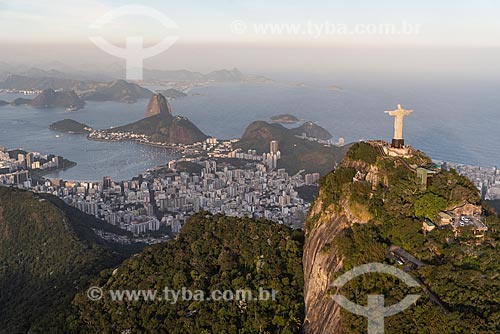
[398,115]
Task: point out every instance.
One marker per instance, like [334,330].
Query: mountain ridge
[48,252]
[161,126]
[49,98]
[117,90]
[206,256]
[296,153]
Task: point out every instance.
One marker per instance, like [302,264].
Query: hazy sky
[246,33]
[452,22]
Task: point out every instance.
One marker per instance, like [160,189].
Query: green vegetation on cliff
[211,253]
[165,128]
[70,126]
[161,126]
[364,152]
[383,205]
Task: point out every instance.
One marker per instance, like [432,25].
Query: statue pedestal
[398,143]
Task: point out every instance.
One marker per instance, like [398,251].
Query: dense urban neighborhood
[220,181]
[209,175]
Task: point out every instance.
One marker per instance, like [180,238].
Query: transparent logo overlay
[134,52]
[375,310]
[173,296]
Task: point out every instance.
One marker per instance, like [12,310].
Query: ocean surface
[456,121]
[28,128]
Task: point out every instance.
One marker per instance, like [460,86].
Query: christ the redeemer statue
[398,114]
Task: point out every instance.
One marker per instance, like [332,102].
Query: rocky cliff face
[158,105]
[372,203]
[322,259]
[161,126]
[322,313]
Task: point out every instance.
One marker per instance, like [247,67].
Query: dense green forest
[211,253]
[48,252]
[462,273]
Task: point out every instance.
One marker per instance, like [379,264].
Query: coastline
[172,149]
[42,173]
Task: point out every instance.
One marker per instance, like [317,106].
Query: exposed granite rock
[322,314]
[161,126]
[158,105]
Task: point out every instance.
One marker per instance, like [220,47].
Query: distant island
[284,118]
[20,101]
[92,88]
[312,130]
[118,91]
[70,126]
[50,98]
[35,82]
[37,79]
[172,93]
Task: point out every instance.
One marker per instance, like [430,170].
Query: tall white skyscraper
[273,146]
